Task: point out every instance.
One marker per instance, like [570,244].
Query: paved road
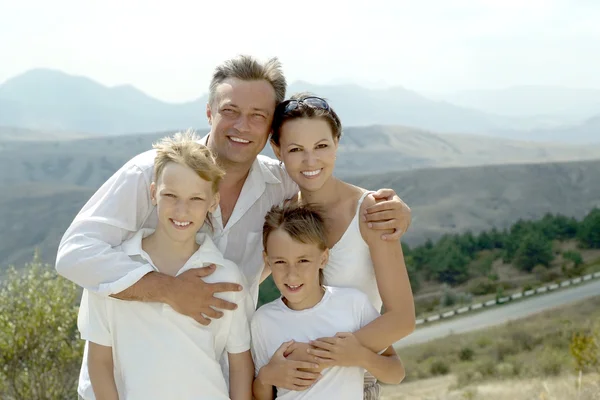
[501,314]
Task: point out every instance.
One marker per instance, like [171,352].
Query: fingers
[222,304]
[212,313]
[303,365]
[307,375]
[343,335]
[320,354]
[225,287]
[384,194]
[323,344]
[391,224]
[202,320]
[379,216]
[393,236]
[204,271]
[281,350]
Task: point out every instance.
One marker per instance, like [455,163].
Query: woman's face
[308,149]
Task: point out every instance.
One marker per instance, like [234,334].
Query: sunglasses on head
[312,101]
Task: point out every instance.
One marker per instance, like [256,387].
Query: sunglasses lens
[316,103]
[291,106]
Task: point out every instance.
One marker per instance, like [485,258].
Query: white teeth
[181,223]
[311,173]
[294,287]
[235,139]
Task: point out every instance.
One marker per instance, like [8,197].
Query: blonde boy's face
[183,200]
[295,267]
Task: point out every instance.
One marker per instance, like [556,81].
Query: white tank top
[350,263]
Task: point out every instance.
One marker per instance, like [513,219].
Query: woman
[306,134]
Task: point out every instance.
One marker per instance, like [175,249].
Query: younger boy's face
[183,200]
[295,267]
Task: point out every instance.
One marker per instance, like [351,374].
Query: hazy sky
[168,49]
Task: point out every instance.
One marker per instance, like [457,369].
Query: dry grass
[565,387]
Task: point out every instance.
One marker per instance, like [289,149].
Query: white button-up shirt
[122,206]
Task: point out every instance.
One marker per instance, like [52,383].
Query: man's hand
[288,374]
[390,212]
[343,350]
[191,296]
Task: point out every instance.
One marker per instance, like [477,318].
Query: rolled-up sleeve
[86,254]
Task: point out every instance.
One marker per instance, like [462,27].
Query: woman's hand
[343,350]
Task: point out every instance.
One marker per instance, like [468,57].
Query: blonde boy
[140,350]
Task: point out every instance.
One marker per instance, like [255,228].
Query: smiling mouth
[312,174]
[293,288]
[238,140]
[180,224]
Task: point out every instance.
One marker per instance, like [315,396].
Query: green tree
[534,249]
[40,349]
[574,257]
[589,230]
[449,263]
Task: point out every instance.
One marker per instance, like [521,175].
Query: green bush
[466,354]
[439,367]
[40,349]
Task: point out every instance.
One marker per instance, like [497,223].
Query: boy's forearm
[262,391]
[386,368]
[241,375]
[103,380]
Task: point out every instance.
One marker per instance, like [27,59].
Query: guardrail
[506,299]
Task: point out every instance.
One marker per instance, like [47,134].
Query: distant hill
[363,150]
[52,100]
[449,200]
[568,103]
[453,200]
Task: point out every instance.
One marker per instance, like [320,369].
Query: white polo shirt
[340,310]
[122,206]
[159,353]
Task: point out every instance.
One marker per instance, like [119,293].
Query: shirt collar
[208,253]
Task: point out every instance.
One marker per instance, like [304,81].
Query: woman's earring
[280,163]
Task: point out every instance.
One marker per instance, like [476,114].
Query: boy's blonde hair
[183,148]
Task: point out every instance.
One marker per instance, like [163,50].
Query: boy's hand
[190,295]
[287,374]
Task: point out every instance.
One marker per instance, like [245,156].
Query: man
[242,99]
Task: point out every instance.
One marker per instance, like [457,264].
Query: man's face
[240,117]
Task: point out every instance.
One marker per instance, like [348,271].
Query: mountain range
[374,149]
[442,200]
[44,99]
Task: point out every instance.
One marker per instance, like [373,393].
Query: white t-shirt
[340,310]
[159,353]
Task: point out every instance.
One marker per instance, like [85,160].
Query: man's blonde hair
[183,148]
[248,68]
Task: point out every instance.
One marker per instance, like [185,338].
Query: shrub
[551,362]
[481,286]
[466,354]
[40,349]
[439,367]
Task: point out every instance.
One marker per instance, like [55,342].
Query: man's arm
[88,257]
[86,253]
[101,367]
[241,375]
[390,212]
